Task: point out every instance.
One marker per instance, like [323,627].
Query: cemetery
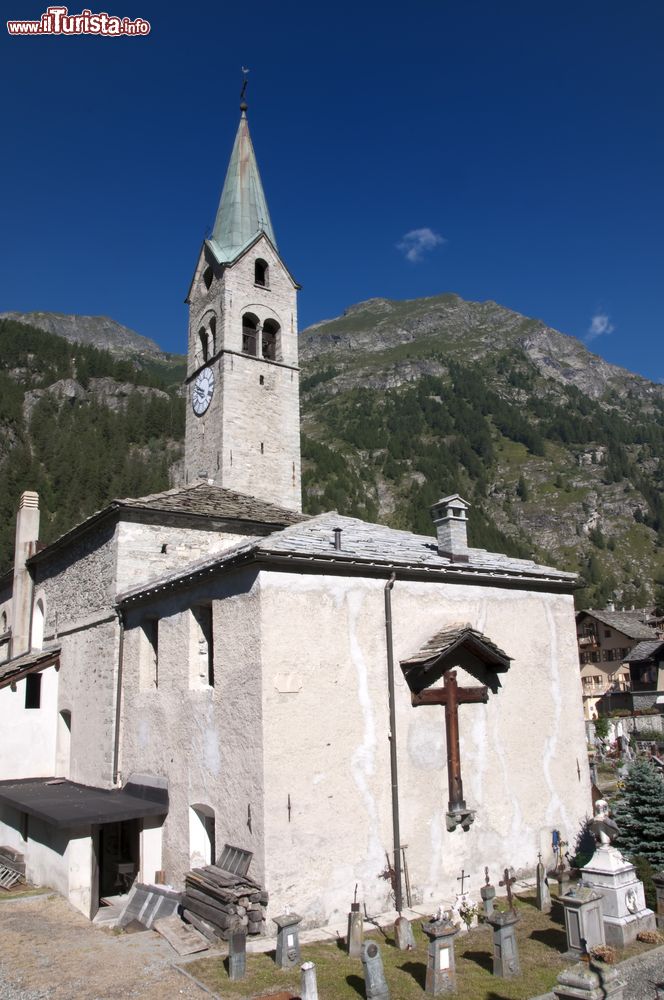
[573,928]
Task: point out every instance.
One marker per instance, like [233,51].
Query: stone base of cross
[459,817]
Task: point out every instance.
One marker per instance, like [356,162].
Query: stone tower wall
[249,438]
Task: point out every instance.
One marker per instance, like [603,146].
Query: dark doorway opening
[118,857]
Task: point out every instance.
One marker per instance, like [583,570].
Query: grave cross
[508,882]
[451,696]
[462,878]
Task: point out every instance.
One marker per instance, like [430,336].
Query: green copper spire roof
[242,214]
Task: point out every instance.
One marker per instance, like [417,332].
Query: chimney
[27,535]
[450,515]
[610,606]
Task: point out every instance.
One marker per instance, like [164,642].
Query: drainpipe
[396,837]
[118,699]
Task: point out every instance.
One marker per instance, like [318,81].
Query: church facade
[209,666]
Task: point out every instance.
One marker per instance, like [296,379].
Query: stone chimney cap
[29,499]
[454,498]
[450,518]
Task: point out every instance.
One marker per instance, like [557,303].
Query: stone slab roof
[363,544]
[27,663]
[644,650]
[200,500]
[453,636]
[627,622]
[204,500]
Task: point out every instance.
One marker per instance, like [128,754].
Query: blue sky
[520,144]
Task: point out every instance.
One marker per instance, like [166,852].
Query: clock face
[203,388]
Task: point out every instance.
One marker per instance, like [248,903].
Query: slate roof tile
[627,622]
[361,543]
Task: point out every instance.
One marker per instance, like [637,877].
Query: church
[209,666]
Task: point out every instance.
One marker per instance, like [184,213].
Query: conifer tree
[640,813]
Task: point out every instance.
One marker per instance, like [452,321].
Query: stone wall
[141,555]
[207,741]
[248,439]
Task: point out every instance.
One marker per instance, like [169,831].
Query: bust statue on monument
[604,828]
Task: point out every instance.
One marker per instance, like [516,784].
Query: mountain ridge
[101,332]
[560,453]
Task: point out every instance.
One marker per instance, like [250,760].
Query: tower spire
[243,213]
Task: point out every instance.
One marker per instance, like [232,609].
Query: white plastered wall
[325,702]
[57,859]
[29,734]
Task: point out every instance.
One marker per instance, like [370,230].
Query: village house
[208,666]
[605,638]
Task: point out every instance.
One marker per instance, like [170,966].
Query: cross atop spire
[243,213]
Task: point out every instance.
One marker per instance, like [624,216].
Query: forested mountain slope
[559,452]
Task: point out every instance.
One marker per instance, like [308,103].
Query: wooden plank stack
[215,901]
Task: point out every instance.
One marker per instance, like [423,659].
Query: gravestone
[583,983]
[441,962]
[288,940]
[403,934]
[237,952]
[308,984]
[487,892]
[375,984]
[543,894]
[658,879]
[611,876]
[355,936]
[505,948]
[583,921]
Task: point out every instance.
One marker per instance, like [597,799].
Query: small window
[202,847]
[202,674]
[269,339]
[3,616]
[37,636]
[607,633]
[249,334]
[203,338]
[261,380]
[33,690]
[149,654]
[212,342]
[261,273]
[208,275]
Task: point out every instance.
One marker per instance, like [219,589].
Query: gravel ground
[641,975]
[48,951]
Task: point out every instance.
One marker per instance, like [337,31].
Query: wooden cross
[462,878]
[451,696]
[508,883]
[539,857]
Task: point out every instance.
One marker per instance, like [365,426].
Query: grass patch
[24,890]
[541,940]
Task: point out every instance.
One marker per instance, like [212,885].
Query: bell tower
[242,383]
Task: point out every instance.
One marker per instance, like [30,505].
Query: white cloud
[417,242]
[599,325]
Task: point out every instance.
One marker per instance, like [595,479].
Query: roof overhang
[65,805]
[454,646]
[14,670]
